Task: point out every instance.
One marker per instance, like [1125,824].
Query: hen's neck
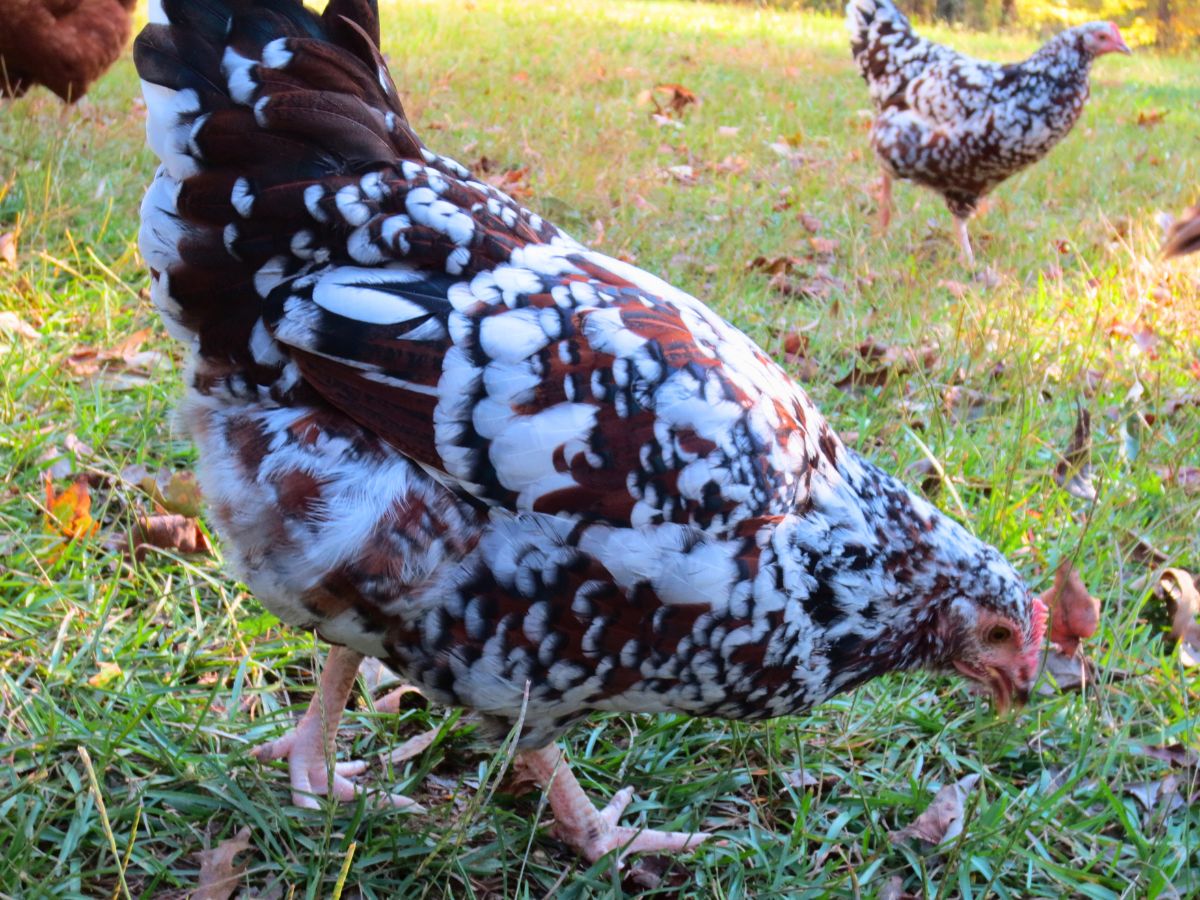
[1061,59]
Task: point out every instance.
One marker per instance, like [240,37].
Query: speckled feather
[439,431]
[960,125]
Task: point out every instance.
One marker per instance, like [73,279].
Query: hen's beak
[1006,694]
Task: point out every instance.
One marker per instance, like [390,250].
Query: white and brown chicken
[532,479]
[958,125]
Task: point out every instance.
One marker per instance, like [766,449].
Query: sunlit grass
[203,673]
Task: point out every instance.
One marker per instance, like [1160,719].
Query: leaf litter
[942,820]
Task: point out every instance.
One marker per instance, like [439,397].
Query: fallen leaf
[109,672]
[879,363]
[811,223]
[1176,754]
[682,174]
[1148,118]
[894,890]
[943,819]
[928,473]
[180,534]
[1155,794]
[1186,478]
[70,513]
[1073,473]
[125,361]
[1178,589]
[819,285]
[1069,673]
[957,289]
[414,746]
[11,323]
[801,779]
[173,491]
[1142,335]
[1075,614]
[964,404]
[512,181]
[8,249]
[775,265]
[823,246]
[675,99]
[219,876]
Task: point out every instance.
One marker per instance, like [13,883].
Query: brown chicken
[62,44]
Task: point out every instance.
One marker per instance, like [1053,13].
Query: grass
[164,673]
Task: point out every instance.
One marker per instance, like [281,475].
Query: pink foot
[593,833]
[309,771]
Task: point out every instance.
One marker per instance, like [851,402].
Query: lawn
[132,691]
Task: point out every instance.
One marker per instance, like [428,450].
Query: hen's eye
[999,634]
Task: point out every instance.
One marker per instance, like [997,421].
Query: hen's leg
[964,241]
[885,203]
[309,747]
[589,832]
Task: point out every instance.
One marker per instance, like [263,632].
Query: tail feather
[262,112]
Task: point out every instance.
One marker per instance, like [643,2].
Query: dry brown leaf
[801,779]
[11,323]
[880,362]
[1148,118]
[219,876]
[173,491]
[943,819]
[1178,589]
[180,534]
[894,890]
[823,246]
[1176,754]
[685,175]
[8,249]
[963,404]
[1069,673]
[775,265]
[675,98]
[1073,473]
[819,285]
[512,181]
[811,223]
[1075,614]
[1155,794]
[1186,478]
[1140,333]
[414,746]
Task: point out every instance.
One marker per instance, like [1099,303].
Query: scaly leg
[309,747]
[589,832]
[885,203]
[964,242]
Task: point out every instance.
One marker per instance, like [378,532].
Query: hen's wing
[433,309]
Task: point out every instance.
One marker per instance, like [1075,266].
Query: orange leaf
[70,513]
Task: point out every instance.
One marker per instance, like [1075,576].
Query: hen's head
[992,632]
[1098,38]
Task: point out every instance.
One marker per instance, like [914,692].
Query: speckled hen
[960,125]
[534,480]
